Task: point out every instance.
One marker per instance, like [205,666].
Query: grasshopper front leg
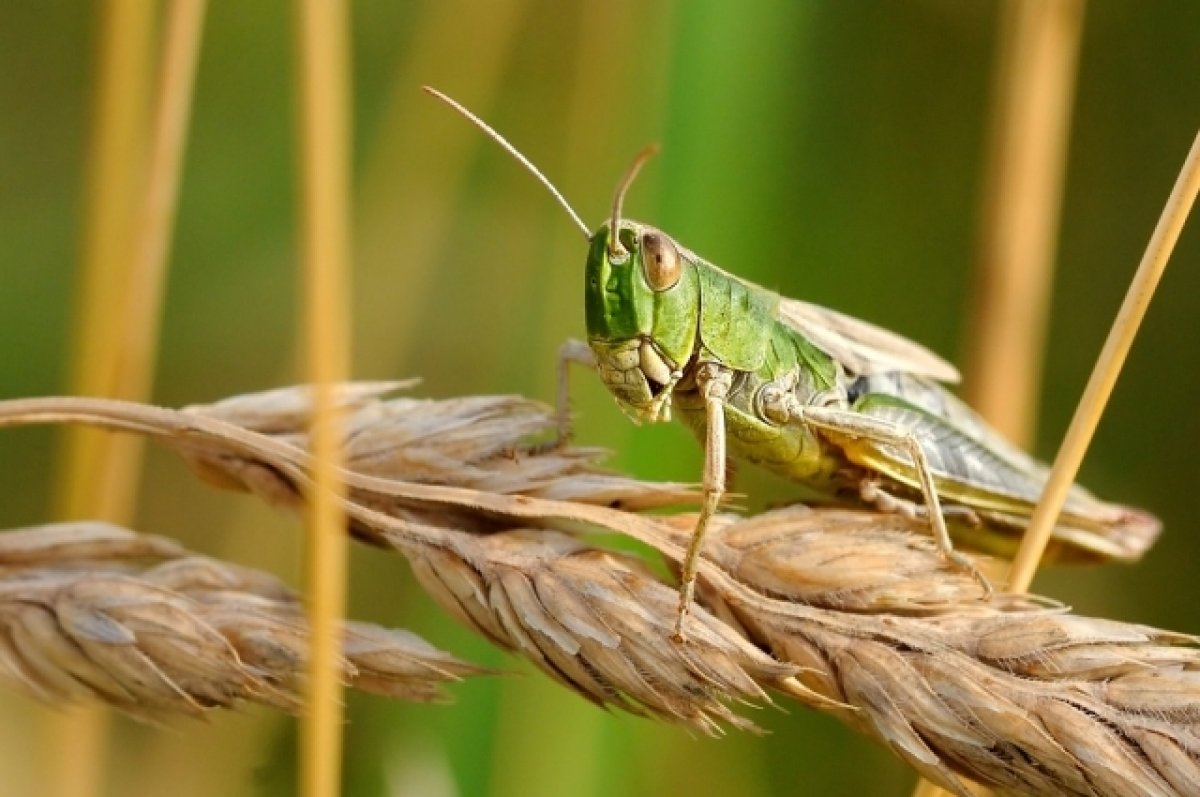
[713,382]
[855,425]
[577,352]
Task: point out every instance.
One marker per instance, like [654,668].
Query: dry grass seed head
[598,622]
[81,618]
[485,443]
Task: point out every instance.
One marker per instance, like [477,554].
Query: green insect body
[640,336]
[854,412]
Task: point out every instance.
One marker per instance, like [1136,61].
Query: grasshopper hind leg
[852,425]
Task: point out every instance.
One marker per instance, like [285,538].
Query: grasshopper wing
[863,349]
[1000,483]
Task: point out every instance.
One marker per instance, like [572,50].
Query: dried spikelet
[850,561]
[597,622]
[484,443]
[1023,698]
[82,620]
[264,621]
[112,637]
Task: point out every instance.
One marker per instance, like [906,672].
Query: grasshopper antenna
[511,150]
[615,250]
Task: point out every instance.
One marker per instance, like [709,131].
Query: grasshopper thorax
[642,303]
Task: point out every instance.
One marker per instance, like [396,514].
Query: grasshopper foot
[686,592]
[872,493]
[960,562]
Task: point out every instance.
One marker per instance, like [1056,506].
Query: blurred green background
[832,151]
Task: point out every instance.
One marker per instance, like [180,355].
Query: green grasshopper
[851,410]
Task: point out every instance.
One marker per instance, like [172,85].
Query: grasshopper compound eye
[660,259]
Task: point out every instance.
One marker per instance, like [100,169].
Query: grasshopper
[855,412]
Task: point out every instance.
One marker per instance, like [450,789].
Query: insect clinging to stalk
[854,412]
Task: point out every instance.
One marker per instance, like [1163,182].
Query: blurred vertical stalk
[129,218]
[324,218]
[1034,90]
[1026,163]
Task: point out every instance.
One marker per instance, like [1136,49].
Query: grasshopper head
[642,305]
[642,295]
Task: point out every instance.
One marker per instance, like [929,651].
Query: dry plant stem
[76,742]
[861,615]
[323,82]
[1027,157]
[1108,366]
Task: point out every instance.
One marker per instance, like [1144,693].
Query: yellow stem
[324,223]
[76,741]
[1022,200]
